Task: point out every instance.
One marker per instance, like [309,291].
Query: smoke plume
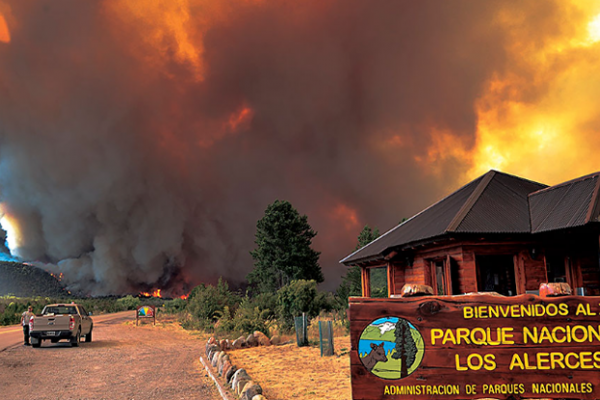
[141,141]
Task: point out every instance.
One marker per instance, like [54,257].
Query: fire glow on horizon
[13,234]
[4,32]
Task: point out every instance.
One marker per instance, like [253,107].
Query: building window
[441,281]
[379,282]
[444,276]
[555,267]
[496,273]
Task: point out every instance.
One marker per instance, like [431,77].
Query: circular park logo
[391,348]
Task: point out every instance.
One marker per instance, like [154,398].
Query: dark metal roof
[570,204]
[472,208]
[502,207]
[494,203]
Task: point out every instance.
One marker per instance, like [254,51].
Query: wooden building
[498,233]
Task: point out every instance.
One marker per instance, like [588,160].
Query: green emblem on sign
[391,348]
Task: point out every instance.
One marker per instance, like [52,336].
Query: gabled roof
[567,205]
[493,203]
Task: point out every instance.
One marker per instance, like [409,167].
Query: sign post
[144,312]
[475,346]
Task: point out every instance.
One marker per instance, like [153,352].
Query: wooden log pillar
[365,278]
[391,280]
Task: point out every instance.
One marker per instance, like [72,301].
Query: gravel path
[123,362]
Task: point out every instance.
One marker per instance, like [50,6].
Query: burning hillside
[139,144]
[23,280]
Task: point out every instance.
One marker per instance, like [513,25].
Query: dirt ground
[162,362]
[123,362]
[300,373]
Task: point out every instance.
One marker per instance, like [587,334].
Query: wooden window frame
[446,270]
[365,279]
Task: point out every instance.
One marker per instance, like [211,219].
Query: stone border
[220,388]
[237,378]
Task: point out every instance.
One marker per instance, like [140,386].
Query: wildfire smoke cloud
[141,141]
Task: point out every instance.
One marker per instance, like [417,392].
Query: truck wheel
[54,340]
[88,337]
[75,339]
[35,342]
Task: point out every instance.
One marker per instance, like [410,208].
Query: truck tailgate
[52,323]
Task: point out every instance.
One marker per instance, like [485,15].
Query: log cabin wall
[581,257]
[468,272]
[396,277]
[420,271]
[586,270]
[416,273]
[534,269]
[585,264]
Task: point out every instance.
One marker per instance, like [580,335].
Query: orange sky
[4,32]
[551,135]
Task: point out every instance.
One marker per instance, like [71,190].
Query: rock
[219,357]
[262,339]
[224,367]
[229,374]
[411,289]
[238,343]
[251,341]
[250,390]
[211,350]
[215,358]
[209,343]
[239,374]
[555,289]
[224,344]
[239,385]
[224,358]
[259,397]
[275,340]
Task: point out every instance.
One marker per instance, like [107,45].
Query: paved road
[12,336]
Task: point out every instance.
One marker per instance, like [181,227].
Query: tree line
[282,284]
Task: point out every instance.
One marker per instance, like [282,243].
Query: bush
[206,304]
[175,306]
[128,303]
[294,299]
[11,308]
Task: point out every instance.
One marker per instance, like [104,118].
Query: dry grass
[292,372]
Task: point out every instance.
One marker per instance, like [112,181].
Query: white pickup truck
[61,321]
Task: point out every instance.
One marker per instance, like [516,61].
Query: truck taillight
[71,322]
[31,323]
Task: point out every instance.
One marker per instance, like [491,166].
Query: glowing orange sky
[4,32]
[549,138]
[552,136]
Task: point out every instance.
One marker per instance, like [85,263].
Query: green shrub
[294,299]
[175,306]
[206,304]
[128,303]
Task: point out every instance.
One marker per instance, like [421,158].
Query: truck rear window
[60,310]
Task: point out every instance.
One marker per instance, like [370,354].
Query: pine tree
[351,285]
[283,249]
[406,349]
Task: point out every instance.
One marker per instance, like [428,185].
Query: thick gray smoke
[130,175]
